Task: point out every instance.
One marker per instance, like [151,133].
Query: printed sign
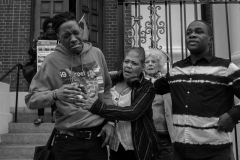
[44,47]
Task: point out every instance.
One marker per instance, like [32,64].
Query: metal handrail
[19,66]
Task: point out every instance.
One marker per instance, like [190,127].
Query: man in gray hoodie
[73,67]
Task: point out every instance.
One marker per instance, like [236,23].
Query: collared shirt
[201,92]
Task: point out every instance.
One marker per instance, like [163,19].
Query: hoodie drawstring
[72,74]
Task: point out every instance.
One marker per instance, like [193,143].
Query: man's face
[151,65]
[198,38]
[70,35]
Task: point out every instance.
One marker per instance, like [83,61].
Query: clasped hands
[76,95]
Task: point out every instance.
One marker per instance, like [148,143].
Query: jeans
[122,154]
[166,152]
[224,154]
[67,147]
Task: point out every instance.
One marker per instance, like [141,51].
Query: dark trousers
[224,154]
[41,111]
[166,151]
[71,148]
[122,154]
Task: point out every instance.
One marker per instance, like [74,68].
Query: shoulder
[178,63]
[217,61]
[50,58]
[96,51]
[146,85]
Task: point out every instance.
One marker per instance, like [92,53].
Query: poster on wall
[44,47]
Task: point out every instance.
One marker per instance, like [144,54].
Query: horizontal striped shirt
[201,93]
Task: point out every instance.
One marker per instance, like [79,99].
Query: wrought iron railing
[19,66]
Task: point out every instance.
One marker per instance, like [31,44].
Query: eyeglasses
[49,26]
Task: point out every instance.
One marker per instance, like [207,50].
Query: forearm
[36,100]
[162,86]
[128,113]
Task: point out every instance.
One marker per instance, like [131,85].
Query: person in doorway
[73,67]
[162,104]
[202,88]
[30,68]
[132,95]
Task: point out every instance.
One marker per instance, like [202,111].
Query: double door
[93,10]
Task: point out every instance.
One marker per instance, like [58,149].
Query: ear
[210,40]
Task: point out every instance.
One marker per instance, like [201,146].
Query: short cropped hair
[209,27]
[141,53]
[46,22]
[61,18]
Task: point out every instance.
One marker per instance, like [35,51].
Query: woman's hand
[107,134]
[84,101]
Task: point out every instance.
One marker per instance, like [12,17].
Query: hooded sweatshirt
[62,67]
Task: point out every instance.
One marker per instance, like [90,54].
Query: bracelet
[111,123]
[55,98]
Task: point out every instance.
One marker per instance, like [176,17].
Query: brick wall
[15,21]
[14,38]
[110,50]
[128,26]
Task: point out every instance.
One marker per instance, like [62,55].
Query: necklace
[122,93]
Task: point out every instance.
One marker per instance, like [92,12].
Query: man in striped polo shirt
[202,88]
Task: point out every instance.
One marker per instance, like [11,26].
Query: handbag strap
[50,140]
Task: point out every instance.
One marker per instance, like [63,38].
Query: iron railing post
[16,103]
[121,31]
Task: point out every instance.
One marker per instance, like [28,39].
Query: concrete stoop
[24,136]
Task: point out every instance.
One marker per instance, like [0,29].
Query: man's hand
[107,132]
[225,123]
[68,93]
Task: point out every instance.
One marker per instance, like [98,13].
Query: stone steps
[16,159]
[26,115]
[30,117]
[20,151]
[24,136]
[30,128]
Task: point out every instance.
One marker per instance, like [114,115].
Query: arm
[161,85]
[141,103]
[40,93]
[233,76]
[106,78]
[228,120]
